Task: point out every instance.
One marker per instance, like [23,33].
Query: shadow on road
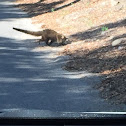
[8,12]
[34,80]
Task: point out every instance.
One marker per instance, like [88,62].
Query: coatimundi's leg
[48,41]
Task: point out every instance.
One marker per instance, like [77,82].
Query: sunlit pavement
[32,82]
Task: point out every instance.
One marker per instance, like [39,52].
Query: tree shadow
[111,62]
[31,80]
[41,7]
[118,37]
[96,61]
[8,12]
[95,33]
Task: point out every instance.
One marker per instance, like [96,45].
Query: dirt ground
[93,26]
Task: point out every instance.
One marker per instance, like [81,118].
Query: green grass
[52,10]
[104,28]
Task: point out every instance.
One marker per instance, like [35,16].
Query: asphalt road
[32,82]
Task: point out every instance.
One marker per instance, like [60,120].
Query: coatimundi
[48,35]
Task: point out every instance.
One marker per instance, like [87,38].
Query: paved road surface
[32,82]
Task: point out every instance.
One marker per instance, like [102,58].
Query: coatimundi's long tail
[38,33]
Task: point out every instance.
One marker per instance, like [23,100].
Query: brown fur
[48,35]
